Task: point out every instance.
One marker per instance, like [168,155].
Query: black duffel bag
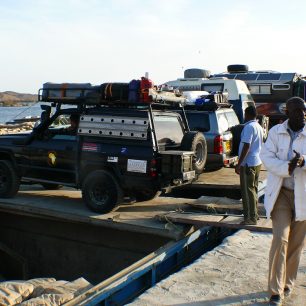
[108,92]
[115,91]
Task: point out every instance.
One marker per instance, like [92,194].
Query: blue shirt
[252,134]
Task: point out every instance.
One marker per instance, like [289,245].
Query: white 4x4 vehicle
[237,91]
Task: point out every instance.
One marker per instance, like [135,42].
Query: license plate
[227,146]
[188,175]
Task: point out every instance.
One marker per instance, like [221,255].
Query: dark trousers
[249,189]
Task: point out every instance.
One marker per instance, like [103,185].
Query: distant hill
[11,98]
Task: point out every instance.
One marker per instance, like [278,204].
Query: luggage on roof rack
[202,98]
[166,96]
[104,94]
[212,101]
[209,106]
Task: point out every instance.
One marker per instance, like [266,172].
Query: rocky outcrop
[11,98]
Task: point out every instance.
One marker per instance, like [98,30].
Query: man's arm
[269,157]
[244,153]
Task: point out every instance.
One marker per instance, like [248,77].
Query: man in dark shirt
[74,123]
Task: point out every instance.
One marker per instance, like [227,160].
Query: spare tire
[195,141]
[196,73]
[236,131]
[264,122]
[237,68]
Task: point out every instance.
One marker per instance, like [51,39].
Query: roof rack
[87,94]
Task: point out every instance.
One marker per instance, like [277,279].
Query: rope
[24,110]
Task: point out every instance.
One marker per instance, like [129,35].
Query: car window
[62,120]
[212,87]
[198,121]
[223,123]
[232,119]
[168,129]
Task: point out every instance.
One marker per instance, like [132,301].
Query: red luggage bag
[145,85]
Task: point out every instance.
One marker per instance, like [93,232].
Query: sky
[98,41]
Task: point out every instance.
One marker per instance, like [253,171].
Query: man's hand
[237,169]
[296,161]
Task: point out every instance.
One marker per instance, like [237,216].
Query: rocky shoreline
[16,128]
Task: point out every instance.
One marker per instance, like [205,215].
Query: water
[11,113]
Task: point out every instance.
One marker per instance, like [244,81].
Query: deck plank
[234,222]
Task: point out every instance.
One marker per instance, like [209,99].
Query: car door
[53,159]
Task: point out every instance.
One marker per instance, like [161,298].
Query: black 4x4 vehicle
[120,149]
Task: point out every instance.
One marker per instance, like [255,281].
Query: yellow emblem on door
[51,158]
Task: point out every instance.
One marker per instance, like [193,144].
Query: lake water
[11,113]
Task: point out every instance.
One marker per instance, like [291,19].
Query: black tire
[9,180]
[146,195]
[101,192]
[237,68]
[50,186]
[195,141]
[236,131]
[264,122]
[196,73]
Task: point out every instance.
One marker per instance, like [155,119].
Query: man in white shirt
[249,165]
[283,155]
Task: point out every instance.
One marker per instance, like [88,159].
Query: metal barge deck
[123,253]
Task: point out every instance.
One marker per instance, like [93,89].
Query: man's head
[74,121]
[250,113]
[295,110]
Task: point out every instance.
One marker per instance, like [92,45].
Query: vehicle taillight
[218,144]
[153,169]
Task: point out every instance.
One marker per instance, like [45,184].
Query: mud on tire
[9,180]
[195,141]
[101,192]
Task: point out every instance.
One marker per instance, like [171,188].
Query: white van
[238,93]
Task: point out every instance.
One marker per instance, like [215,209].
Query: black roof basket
[87,94]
